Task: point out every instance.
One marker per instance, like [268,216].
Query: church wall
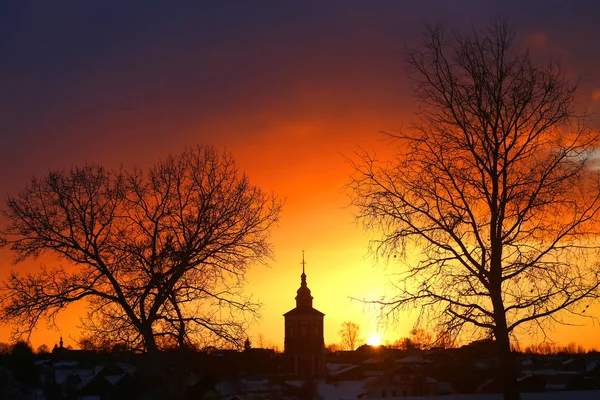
[304,334]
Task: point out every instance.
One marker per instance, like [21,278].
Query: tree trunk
[151,346]
[149,341]
[508,375]
[507,368]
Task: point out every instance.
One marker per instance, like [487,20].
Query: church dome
[303,290]
[303,296]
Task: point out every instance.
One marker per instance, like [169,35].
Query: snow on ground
[341,390]
[566,395]
[350,390]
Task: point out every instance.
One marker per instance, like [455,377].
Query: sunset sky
[290,88]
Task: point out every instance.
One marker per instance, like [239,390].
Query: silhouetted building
[304,345]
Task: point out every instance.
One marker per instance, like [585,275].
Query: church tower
[304,345]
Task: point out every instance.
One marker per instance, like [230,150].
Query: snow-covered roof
[548,372]
[335,366]
[68,364]
[371,361]
[342,370]
[482,365]
[484,384]
[61,375]
[226,387]
[84,375]
[297,384]
[128,368]
[590,366]
[527,361]
[114,379]
[412,360]
[555,386]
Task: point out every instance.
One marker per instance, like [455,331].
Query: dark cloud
[83,79]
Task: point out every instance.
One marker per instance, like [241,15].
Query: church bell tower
[304,345]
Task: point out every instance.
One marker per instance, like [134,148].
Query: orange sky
[290,92]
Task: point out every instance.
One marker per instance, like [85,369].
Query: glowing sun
[374,340]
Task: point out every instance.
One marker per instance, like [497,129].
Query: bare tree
[93,342]
[350,334]
[492,199]
[43,349]
[261,341]
[333,347]
[160,255]
[418,339]
[444,340]
[421,339]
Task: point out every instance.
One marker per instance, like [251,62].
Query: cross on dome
[303,297]
[303,276]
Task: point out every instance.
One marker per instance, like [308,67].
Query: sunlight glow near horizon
[374,340]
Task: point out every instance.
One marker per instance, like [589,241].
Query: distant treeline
[554,349]
[571,348]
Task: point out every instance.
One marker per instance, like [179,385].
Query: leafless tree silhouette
[350,334]
[492,198]
[160,256]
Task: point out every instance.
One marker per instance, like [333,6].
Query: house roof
[303,311]
[590,366]
[114,379]
[412,360]
[340,370]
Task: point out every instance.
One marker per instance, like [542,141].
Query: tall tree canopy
[350,335]
[492,197]
[159,255]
